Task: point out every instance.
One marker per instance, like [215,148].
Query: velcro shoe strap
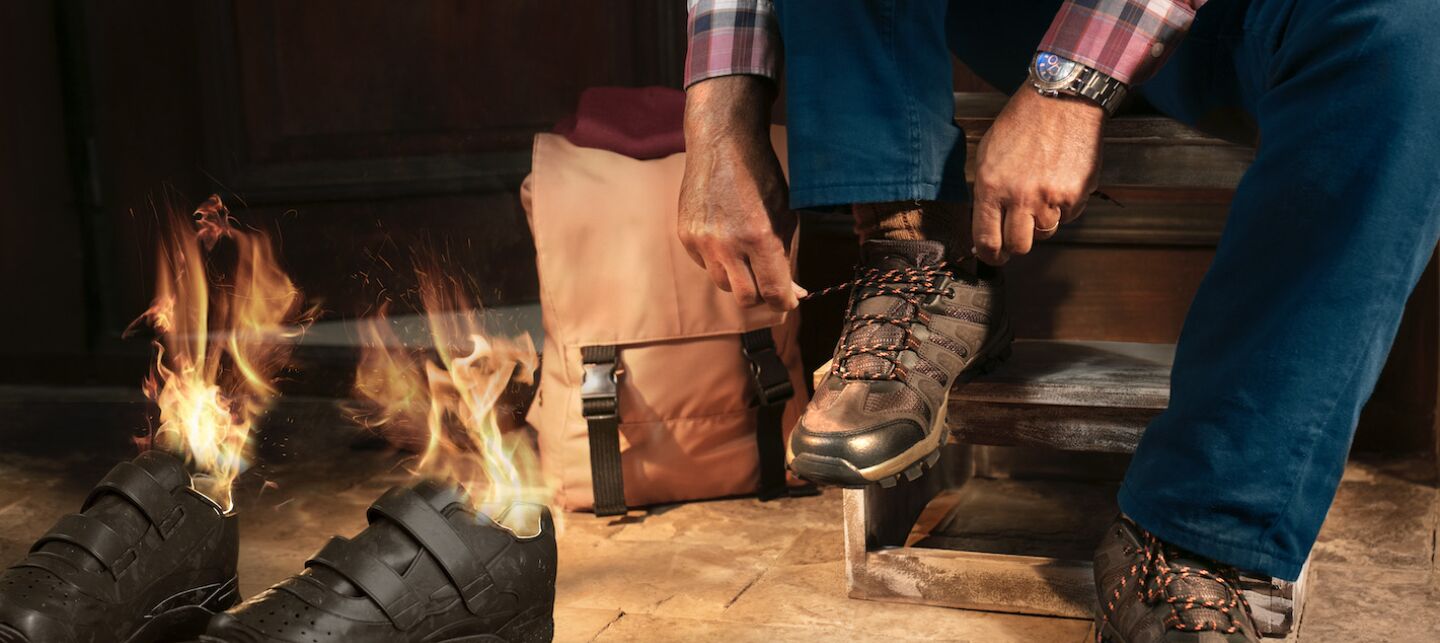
[93,536]
[428,527]
[379,581]
[134,483]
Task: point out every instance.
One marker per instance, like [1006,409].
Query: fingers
[1073,212]
[1047,222]
[985,227]
[772,276]
[1019,231]
[741,281]
[717,273]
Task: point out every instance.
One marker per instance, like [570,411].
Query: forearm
[735,108]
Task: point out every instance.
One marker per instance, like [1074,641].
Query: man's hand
[735,218]
[1035,169]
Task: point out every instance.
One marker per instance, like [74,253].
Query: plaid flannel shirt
[1127,39]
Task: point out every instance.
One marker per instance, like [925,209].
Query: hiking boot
[147,559]
[1150,592]
[916,327]
[428,568]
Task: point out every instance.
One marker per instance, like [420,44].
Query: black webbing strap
[134,483]
[379,581]
[93,536]
[600,404]
[428,527]
[772,390]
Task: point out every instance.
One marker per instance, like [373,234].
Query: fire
[446,405]
[221,341]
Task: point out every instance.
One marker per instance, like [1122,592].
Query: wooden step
[1075,396]
[957,538]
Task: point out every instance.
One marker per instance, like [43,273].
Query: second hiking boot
[1152,592]
[916,326]
[147,560]
[427,569]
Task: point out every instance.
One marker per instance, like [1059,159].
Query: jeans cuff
[822,196]
[1221,547]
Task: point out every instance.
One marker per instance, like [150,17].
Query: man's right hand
[735,218]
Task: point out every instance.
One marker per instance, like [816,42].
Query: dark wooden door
[354,128]
[42,264]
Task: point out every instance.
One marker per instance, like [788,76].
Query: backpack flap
[697,402]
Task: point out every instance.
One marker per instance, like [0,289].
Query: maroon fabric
[639,122]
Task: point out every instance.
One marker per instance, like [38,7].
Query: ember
[221,340]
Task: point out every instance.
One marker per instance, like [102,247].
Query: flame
[446,405]
[221,340]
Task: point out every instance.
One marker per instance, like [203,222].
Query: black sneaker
[147,560]
[427,569]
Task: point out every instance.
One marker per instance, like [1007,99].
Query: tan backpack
[655,386]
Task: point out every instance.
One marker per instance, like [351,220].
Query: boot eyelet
[949,292]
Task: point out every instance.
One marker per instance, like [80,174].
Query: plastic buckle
[772,379]
[599,390]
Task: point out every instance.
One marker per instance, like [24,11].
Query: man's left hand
[1035,169]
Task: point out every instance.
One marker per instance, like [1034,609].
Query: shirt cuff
[1126,39]
[729,37]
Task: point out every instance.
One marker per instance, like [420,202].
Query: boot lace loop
[912,285]
[1156,576]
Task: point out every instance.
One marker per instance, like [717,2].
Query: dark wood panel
[142,128]
[1119,293]
[339,99]
[331,121]
[350,256]
[41,244]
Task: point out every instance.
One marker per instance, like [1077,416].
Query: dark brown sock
[940,221]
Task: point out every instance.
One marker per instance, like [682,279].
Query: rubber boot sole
[910,463]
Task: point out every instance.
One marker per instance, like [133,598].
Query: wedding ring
[1049,229]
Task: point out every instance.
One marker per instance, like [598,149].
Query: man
[1327,234]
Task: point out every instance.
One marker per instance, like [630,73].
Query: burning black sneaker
[427,569]
[147,559]
[917,326]
[1152,592]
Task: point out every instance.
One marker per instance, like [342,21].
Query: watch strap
[1088,83]
[1100,88]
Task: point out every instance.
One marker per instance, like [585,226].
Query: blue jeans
[1327,235]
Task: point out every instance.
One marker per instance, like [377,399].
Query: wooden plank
[991,582]
[1078,374]
[1071,428]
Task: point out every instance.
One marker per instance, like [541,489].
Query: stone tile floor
[738,570]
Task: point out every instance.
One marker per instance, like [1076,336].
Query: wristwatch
[1053,75]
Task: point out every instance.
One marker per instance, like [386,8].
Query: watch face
[1050,68]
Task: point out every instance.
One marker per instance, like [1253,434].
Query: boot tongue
[886,254]
[121,516]
[895,253]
